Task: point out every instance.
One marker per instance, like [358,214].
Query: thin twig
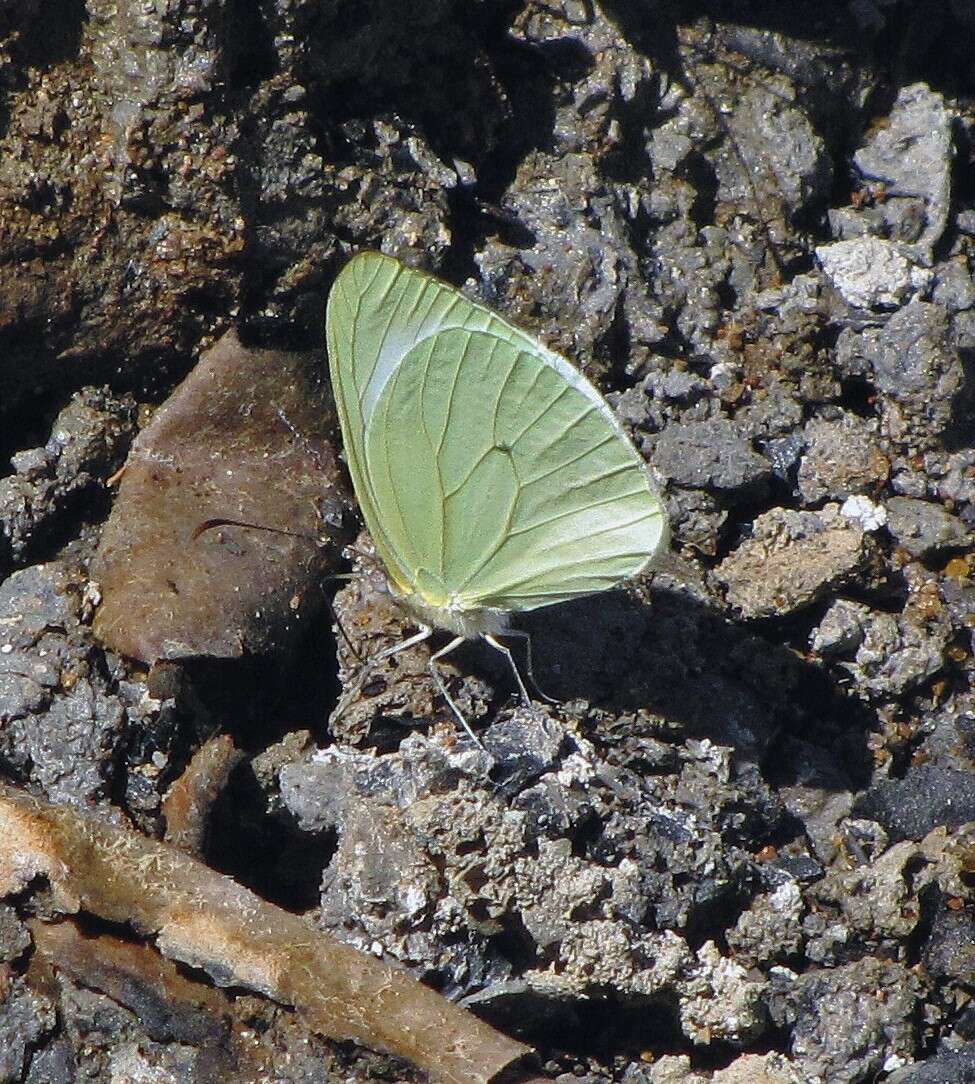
[206,920]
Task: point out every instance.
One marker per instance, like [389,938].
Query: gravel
[738,847]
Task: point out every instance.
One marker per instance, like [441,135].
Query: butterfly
[491,474]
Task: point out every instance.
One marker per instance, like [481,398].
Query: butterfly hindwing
[488,469]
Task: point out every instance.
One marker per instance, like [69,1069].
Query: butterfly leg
[522,635]
[411,641]
[442,687]
[506,651]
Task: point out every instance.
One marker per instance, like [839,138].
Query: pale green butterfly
[492,476]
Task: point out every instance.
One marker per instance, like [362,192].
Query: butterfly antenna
[212,524]
[506,651]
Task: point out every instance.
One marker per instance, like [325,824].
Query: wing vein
[441,531]
[419,294]
[503,535]
[575,511]
[429,309]
[501,391]
[538,574]
[568,462]
[393,489]
[623,468]
[379,353]
[545,409]
[450,397]
[467,477]
[356,307]
[454,302]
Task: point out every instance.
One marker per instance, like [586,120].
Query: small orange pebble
[927,601]
[733,334]
[958,568]
[955,903]
[768,853]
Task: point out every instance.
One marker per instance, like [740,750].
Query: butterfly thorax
[450,614]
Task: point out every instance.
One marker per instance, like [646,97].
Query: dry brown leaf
[246,436]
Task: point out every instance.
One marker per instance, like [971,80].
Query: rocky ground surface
[742,845]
